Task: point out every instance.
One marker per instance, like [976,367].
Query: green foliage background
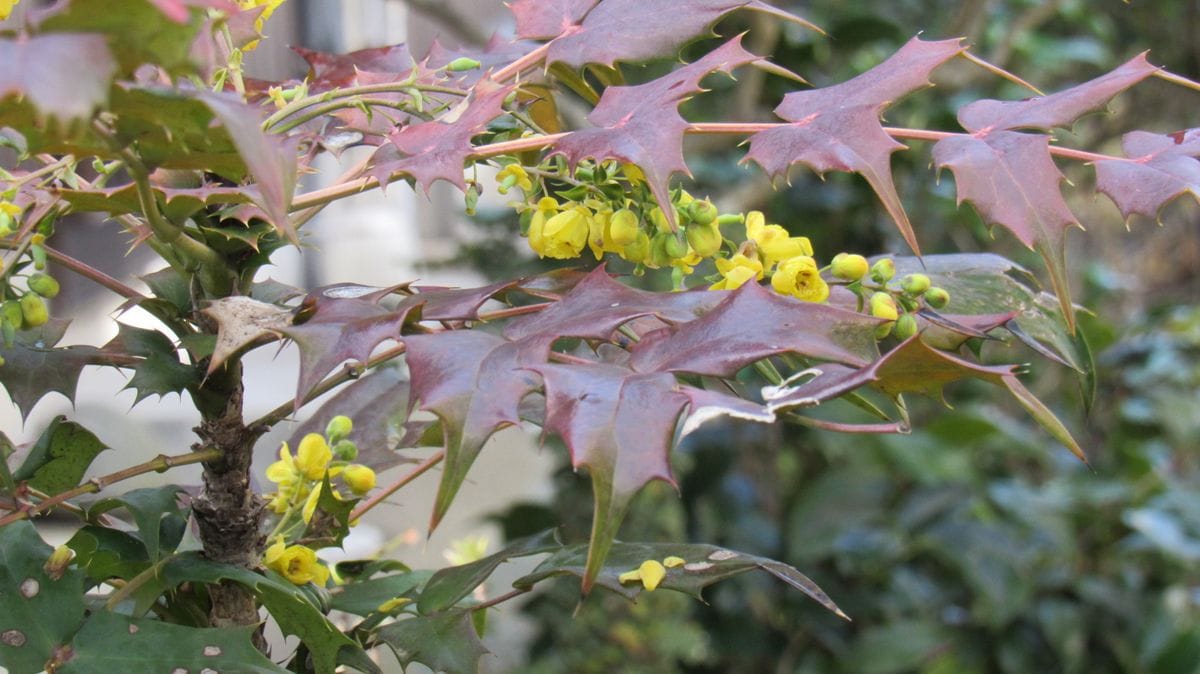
[965,547]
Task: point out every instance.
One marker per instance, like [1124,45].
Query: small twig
[513,594]
[322,98]
[158,464]
[515,68]
[1182,81]
[392,488]
[486,316]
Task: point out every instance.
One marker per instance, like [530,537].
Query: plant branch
[515,68]
[512,594]
[392,488]
[158,464]
[349,92]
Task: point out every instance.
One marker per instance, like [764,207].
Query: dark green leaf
[446,642]
[110,643]
[37,613]
[364,597]
[160,371]
[156,512]
[107,553]
[33,366]
[451,584]
[60,457]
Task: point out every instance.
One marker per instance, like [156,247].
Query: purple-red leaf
[641,124]
[1159,169]
[65,76]
[837,128]
[437,150]
[754,323]
[331,71]
[626,30]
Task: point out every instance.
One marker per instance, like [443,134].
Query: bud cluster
[24,308]
[898,303]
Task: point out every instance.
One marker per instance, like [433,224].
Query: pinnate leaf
[641,124]
[445,642]
[38,614]
[1159,168]
[837,128]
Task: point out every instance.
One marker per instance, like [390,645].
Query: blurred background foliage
[975,544]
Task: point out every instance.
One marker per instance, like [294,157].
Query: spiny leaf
[627,30]
[547,19]
[65,77]
[378,404]
[1011,178]
[703,566]
[837,128]
[60,457]
[159,371]
[177,202]
[364,597]
[38,614]
[109,642]
[448,586]
[333,71]
[751,324]
[243,322]
[1159,169]
[156,511]
[641,124]
[446,642]
[437,150]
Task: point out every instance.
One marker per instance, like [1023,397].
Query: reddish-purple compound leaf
[598,305]
[754,323]
[64,76]
[1159,169]
[820,384]
[618,424]
[33,366]
[270,159]
[474,382]
[631,30]
[1055,110]
[1012,181]
[641,124]
[340,329]
[547,19]
[331,71]
[437,150]
[454,304]
[838,128]
[378,404]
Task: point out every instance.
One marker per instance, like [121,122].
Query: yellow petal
[652,573]
[313,456]
[673,562]
[630,576]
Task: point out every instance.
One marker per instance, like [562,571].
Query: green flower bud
[38,253]
[884,329]
[639,249]
[675,247]
[937,297]
[623,227]
[704,239]
[462,64]
[659,220]
[848,266]
[338,428]
[33,310]
[702,212]
[56,566]
[11,312]
[731,219]
[345,450]
[906,326]
[660,255]
[883,270]
[43,284]
[915,284]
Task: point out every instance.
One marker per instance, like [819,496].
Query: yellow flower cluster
[6,8]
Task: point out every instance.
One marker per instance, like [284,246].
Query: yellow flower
[296,563]
[514,175]
[6,7]
[270,7]
[650,573]
[774,243]
[883,306]
[798,277]
[276,96]
[633,174]
[736,271]
[545,209]
[564,235]
[359,478]
[313,456]
[623,228]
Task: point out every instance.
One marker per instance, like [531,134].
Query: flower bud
[705,239]
[908,304]
[43,284]
[659,220]
[359,478]
[915,284]
[345,450]
[848,266]
[702,212]
[883,306]
[462,64]
[638,249]
[33,310]
[883,270]
[906,326]
[937,297]
[339,428]
[623,227]
[12,315]
[58,562]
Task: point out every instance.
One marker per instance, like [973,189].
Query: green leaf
[110,643]
[364,597]
[7,484]
[105,553]
[703,566]
[60,457]
[450,585]
[446,642]
[160,371]
[37,613]
[33,366]
[156,511]
[896,648]
[138,32]
[289,606]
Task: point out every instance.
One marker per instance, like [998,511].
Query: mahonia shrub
[138,110]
